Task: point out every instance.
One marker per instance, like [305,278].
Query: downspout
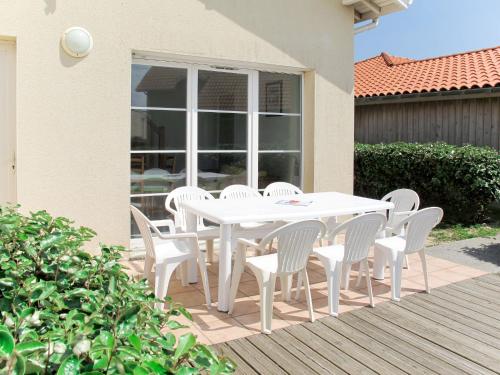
[373,24]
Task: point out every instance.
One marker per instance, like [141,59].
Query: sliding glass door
[210,127]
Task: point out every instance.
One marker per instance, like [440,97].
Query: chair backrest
[185,194]
[404,200]
[279,189]
[145,226]
[419,226]
[295,243]
[239,192]
[360,234]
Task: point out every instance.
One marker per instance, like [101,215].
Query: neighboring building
[455,99]
[196,92]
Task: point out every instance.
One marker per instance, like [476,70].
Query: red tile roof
[392,75]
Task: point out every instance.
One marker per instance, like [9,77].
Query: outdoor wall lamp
[77,42]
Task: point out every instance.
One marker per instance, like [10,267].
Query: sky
[433,28]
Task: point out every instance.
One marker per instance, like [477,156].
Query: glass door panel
[222,129]
[158,137]
[280,129]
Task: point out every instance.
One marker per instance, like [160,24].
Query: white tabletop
[227,211]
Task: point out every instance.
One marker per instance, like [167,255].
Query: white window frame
[253,114]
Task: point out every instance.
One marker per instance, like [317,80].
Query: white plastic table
[227,212]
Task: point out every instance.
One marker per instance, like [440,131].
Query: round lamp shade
[77,42]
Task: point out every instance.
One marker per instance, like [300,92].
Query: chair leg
[148,270]
[368,281]
[267,283]
[424,268]
[346,273]
[308,295]
[407,263]
[162,279]
[239,266]
[204,278]
[210,250]
[286,287]
[299,286]
[184,273]
[361,272]
[396,266]
[333,276]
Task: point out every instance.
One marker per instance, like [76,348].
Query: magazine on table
[295,202]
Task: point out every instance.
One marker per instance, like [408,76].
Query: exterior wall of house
[463,121]
[73,115]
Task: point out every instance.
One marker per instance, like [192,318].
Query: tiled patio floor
[212,326]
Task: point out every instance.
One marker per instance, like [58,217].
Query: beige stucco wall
[73,115]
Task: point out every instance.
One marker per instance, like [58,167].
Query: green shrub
[65,311]
[463,180]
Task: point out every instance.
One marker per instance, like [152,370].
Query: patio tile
[188,299]
[223,330]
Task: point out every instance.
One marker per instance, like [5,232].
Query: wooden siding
[463,121]
[453,330]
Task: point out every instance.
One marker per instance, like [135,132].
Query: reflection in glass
[222,91]
[152,207]
[158,130]
[276,167]
[279,93]
[156,173]
[216,171]
[158,86]
[222,131]
[279,132]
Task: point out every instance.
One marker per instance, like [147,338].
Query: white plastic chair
[360,234]
[406,202]
[191,193]
[280,189]
[239,192]
[167,253]
[393,249]
[294,245]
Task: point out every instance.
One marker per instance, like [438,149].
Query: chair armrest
[248,243]
[164,223]
[178,236]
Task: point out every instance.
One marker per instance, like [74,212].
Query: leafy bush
[65,311]
[463,180]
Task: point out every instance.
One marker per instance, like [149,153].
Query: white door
[7,122]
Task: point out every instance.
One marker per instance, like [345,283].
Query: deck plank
[260,362]
[464,326]
[445,358]
[370,360]
[300,350]
[243,368]
[482,323]
[280,355]
[465,303]
[384,352]
[413,350]
[467,347]
[341,360]
[454,330]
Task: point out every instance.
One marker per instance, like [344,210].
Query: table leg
[225,252]
[191,226]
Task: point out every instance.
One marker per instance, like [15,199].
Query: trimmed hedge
[463,180]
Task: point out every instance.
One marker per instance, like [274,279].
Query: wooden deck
[453,330]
